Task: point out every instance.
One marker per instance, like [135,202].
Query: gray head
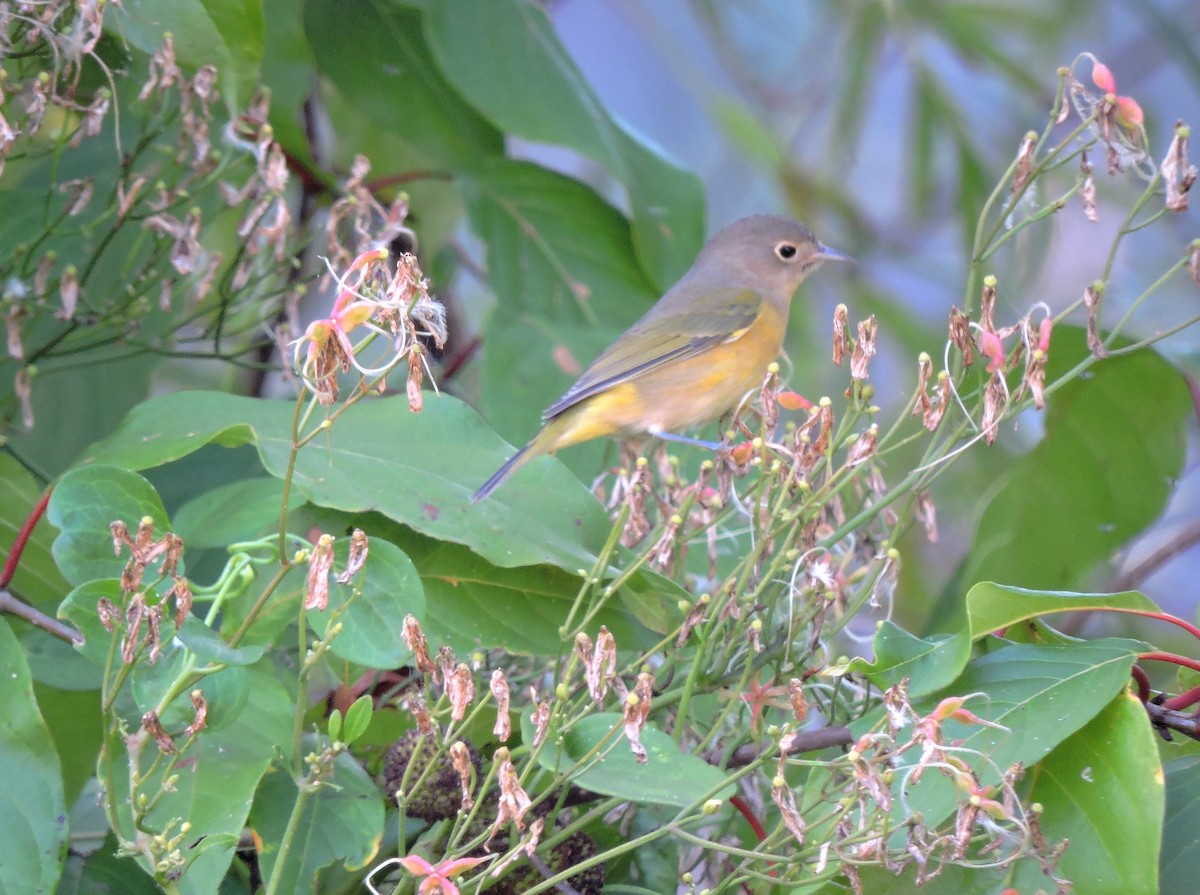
[766,251]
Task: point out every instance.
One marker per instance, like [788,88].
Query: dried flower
[414,638]
[960,335]
[841,333]
[864,349]
[636,710]
[201,719]
[153,726]
[460,688]
[502,729]
[357,556]
[460,758]
[1024,163]
[320,563]
[1177,173]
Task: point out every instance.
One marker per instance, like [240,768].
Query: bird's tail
[519,459]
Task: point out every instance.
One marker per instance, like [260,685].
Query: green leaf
[444,453]
[102,872]
[226,33]
[222,772]
[1180,845]
[79,608]
[376,55]
[73,719]
[84,504]
[358,718]
[933,663]
[373,623]
[208,646]
[238,511]
[561,260]
[476,605]
[31,789]
[531,88]
[37,579]
[1102,789]
[1039,694]
[1113,448]
[669,776]
[341,821]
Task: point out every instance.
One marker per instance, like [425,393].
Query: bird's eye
[785,251]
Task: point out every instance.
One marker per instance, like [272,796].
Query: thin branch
[9,603]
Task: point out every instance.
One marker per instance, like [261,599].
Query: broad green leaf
[669,776]
[226,33]
[375,53]
[1113,448]
[238,511]
[208,646]
[37,580]
[933,663]
[79,608]
[341,821]
[74,721]
[1039,694]
[85,502]
[531,88]
[1102,789]
[373,623]
[476,605]
[102,872]
[1180,844]
[561,261]
[222,772]
[31,788]
[72,411]
[418,469]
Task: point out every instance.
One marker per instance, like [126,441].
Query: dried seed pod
[439,795]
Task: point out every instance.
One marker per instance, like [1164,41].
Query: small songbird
[695,354]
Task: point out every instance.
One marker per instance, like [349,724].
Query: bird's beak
[828,254]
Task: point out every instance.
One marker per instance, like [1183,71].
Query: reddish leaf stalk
[14,555]
[1173,658]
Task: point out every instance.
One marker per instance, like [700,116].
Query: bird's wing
[720,315]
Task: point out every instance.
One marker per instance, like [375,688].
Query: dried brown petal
[960,335]
[460,758]
[1091,301]
[796,697]
[785,800]
[995,397]
[864,349]
[541,717]
[987,304]
[153,726]
[460,688]
[863,448]
[636,710]
[414,638]
[1177,174]
[1087,189]
[514,801]
[502,730]
[1024,162]
[841,334]
[23,389]
[320,562]
[933,416]
[200,721]
[415,704]
[110,615]
[358,556]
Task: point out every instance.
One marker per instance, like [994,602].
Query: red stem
[1143,683]
[1173,658]
[747,812]
[14,555]
[1161,616]
[1183,700]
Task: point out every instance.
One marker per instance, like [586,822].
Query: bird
[697,352]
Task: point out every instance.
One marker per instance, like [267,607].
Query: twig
[805,741]
[9,603]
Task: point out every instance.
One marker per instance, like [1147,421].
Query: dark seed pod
[575,849]
[439,795]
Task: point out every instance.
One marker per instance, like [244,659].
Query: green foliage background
[547,224]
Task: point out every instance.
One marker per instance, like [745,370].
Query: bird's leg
[694,442]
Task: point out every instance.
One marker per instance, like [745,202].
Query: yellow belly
[677,395]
